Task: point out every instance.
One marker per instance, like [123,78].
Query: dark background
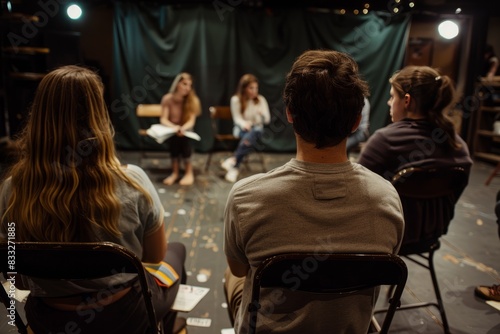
[139,46]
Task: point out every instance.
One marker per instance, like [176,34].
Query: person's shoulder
[374,183]
[248,181]
[259,181]
[234,98]
[393,127]
[135,171]
[167,98]
[382,132]
[262,98]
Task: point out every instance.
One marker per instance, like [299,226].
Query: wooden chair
[428,196]
[222,129]
[60,260]
[146,111]
[336,274]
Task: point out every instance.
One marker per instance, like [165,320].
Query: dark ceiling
[468,7]
[438,6]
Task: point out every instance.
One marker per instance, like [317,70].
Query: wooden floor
[469,255]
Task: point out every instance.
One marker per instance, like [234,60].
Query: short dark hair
[324,93]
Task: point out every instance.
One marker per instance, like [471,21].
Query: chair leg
[438,293]
[374,326]
[439,304]
[180,326]
[263,162]
[209,161]
[493,174]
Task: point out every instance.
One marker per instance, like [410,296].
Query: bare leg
[175,173]
[188,178]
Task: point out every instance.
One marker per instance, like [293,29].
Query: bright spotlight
[74,12]
[448,29]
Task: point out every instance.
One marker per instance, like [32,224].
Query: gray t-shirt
[138,218]
[310,207]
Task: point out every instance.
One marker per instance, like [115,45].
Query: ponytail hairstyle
[63,186]
[191,105]
[245,81]
[434,94]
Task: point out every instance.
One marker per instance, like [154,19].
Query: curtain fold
[152,43]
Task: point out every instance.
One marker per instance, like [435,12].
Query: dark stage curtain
[218,44]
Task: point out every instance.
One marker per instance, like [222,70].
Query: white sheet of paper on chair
[160,133]
[188,297]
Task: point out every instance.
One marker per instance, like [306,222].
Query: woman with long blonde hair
[250,113]
[180,107]
[69,186]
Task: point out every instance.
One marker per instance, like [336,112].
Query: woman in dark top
[421,133]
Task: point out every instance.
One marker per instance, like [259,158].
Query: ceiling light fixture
[448,29]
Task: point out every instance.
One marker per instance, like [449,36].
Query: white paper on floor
[493,304]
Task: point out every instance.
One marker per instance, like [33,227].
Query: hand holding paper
[161,133]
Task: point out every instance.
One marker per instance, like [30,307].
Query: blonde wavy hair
[63,187]
[192,105]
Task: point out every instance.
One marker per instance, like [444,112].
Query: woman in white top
[250,113]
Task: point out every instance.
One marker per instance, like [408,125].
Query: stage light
[448,29]
[74,12]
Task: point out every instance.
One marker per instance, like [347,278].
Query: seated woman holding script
[179,109]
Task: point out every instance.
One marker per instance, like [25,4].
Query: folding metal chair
[428,196]
[336,274]
[61,260]
[222,128]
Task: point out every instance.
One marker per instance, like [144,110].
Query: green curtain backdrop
[218,43]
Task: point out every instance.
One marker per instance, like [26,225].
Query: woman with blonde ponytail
[69,186]
[421,133]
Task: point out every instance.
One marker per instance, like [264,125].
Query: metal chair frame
[336,274]
[428,184]
[72,260]
[220,116]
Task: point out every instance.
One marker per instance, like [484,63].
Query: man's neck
[308,153]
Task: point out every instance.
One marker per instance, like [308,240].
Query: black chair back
[330,273]
[71,260]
